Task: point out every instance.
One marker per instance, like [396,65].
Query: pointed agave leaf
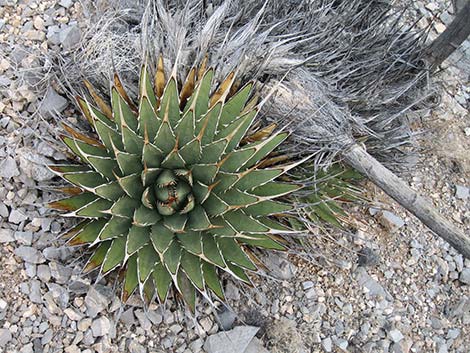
[148,198]
[236,198]
[98,256]
[212,279]
[161,237]
[232,252]
[129,163]
[205,173]
[123,114]
[238,273]
[74,144]
[169,108]
[115,254]
[198,219]
[70,233]
[162,279]
[191,152]
[256,177]
[274,189]
[176,222]
[174,160]
[266,208]
[215,206]
[211,252]
[236,159]
[147,261]
[104,165]
[212,153]
[132,185]
[116,226]
[201,192]
[109,135]
[172,257]
[233,108]
[73,203]
[152,156]
[237,130]
[146,88]
[266,148]
[149,176]
[149,122]
[125,207]
[187,290]
[133,143]
[94,209]
[242,223]
[131,280]
[165,140]
[89,233]
[192,266]
[262,241]
[111,191]
[85,180]
[199,101]
[144,216]
[191,242]
[137,238]
[207,126]
[186,128]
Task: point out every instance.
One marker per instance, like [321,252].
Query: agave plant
[176,189]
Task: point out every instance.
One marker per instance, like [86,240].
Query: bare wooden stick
[396,188]
[444,45]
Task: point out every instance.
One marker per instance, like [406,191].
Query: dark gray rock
[53,103]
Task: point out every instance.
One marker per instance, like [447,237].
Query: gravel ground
[392,286]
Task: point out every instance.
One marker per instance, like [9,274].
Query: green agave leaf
[94,209]
[152,157]
[211,279]
[169,108]
[199,100]
[211,252]
[104,165]
[116,226]
[176,222]
[236,198]
[163,281]
[147,261]
[237,130]
[122,113]
[243,223]
[192,267]
[137,238]
[129,163]
[132,185]
[265,148]
[198,219]
[274,189]
[234,106]
[144,216]
[172,257]
[131,280]
[165,140]
[238,273]
[111,191]
[89,233]
[191,241]
[232,252]
[268,207]
[96,260]
[205,173]
[133,143]
[206,128]
[73,203]
[115,255]
[161,237]
[186,290]
[125,207]
[261,241]
[186,127]
[85,180]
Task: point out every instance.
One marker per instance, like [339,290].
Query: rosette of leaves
[176,189]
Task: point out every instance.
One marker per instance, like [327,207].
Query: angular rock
[95,302]
[374,287]
[52,103]
[465,276]
[34,165]
[395,335]
[226,318]
[8,168]
[5,337]
[233,341]
[327,344]
[30,254]
[73,314]
[256,346]
[135,347]
[6,236]
[101,326]
[462,192]
[69,36]
[43,273]
[390,221]
[279,267]
[17,217]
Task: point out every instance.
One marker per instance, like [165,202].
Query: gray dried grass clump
[343,70]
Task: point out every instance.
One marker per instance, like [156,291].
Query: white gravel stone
[17,217]
[327,344]
[8,168]
[29,254]
[100,326]
[465,276]
[395,335]
[6,236]
[233,341]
